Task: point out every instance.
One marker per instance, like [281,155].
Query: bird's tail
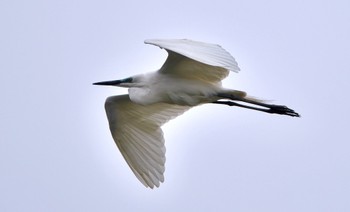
[243,95]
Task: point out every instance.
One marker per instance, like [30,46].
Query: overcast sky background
[56,151]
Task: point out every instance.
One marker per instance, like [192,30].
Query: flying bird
[190,76]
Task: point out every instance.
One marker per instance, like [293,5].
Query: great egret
[190,76]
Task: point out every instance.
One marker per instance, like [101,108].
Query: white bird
[190,76]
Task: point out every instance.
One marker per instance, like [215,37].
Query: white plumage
[191,75]
[136,131]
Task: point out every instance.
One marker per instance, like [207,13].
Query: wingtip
[150,41]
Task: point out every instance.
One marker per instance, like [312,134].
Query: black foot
[283,110]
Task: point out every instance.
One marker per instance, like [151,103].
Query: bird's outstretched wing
[196,60]
[136,131]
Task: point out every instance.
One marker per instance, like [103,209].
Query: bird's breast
[143,96]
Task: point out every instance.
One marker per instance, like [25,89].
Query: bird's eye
[127,80]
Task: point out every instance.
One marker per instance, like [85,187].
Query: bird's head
[140,80]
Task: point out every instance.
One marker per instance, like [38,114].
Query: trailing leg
[263,107]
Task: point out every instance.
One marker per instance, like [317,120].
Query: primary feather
[207,53]
[137,133]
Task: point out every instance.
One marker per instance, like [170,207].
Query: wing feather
[136,131]
[196,60]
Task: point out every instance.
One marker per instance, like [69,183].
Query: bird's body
[173,90]
[190,76]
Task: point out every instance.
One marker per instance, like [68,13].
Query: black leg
[267,108]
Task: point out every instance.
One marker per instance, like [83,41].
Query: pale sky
[56,151]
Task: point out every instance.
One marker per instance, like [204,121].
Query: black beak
[113,82]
